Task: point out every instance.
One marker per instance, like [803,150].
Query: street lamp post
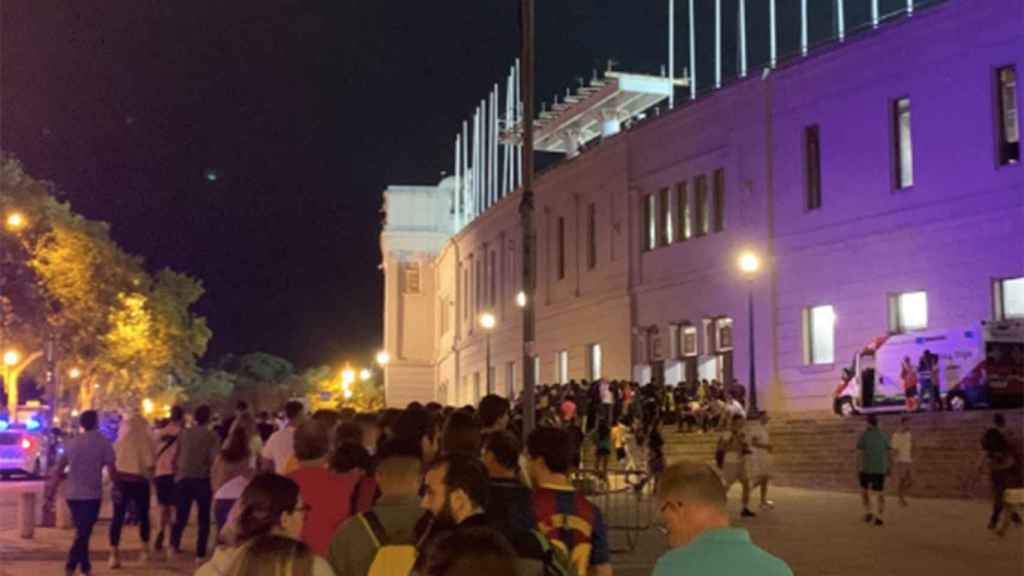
[488,322]
[749,264]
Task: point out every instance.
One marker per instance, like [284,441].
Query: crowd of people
[429,489]
[438,490]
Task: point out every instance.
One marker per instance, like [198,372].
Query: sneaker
[869,517]
[878,522]
[747,513]
[767,505]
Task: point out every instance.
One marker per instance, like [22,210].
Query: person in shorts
[761,463]
[163,479]
[736,445]
[901,447]
[874,450]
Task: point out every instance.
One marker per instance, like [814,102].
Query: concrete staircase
[818,450]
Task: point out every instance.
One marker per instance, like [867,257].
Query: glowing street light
[347,394]
[11,357]
[488,321]
[365,374]
[16,221]
[383,358]
[147,406]
[521,299]
[347,376]
[74,373]
[749,264]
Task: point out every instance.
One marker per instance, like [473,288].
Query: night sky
[247,143]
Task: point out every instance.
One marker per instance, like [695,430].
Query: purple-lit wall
[956,230]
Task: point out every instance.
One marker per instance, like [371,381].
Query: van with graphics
[980,366]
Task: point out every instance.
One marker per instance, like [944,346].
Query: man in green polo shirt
[874,450]
[691,500]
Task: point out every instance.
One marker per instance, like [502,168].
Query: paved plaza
[818,533]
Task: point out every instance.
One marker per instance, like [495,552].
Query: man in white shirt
[279,451]
[901,446]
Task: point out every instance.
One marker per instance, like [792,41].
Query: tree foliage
[129,332]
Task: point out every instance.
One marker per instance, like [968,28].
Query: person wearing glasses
[692,504]
[266,534]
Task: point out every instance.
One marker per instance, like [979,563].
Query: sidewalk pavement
[818,533]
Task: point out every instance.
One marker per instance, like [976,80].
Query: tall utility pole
[526,217]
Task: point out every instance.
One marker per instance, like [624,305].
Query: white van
[978,367]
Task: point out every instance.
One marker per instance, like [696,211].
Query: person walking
[328,494]
[692,504]
[279,451]
[734,446]
[909,376]
[564,516]
[197,451]
[875,454]
[902,444]
[1004,468]
[355,543]
[231,472]
[163,478]
[265,540]
[135,454]
[81,467]
[762,464]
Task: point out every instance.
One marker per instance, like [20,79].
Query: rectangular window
[683,211]
[1009,298]
[908,311]
[812,168]
[718,201]
[412,278]
[701,197]
[819,335]
[651,222]
[591,236]
[689,340]
[562,367]
[1009,119]
[560,257]
[665,218]
[465,293]
[511,389]
[594,362]
[904,152]
[478,270]
[536,370]
[724,334]
[493,273]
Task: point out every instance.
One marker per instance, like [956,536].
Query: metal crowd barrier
[626,499]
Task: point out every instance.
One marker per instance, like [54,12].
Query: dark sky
[305,110]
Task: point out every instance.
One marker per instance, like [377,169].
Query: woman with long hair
[266,534]
[135,457]
[231,472]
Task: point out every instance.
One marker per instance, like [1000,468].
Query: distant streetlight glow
[16,221]
[365,374]
[348,375]
[75,373]
[347,394]
[488,321]
[749,263]
[383,358]
[11,357]
[521,299]
[147,406]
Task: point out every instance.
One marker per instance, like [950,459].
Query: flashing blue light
[32,424]
[3,425]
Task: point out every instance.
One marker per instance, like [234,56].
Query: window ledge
[817,368]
